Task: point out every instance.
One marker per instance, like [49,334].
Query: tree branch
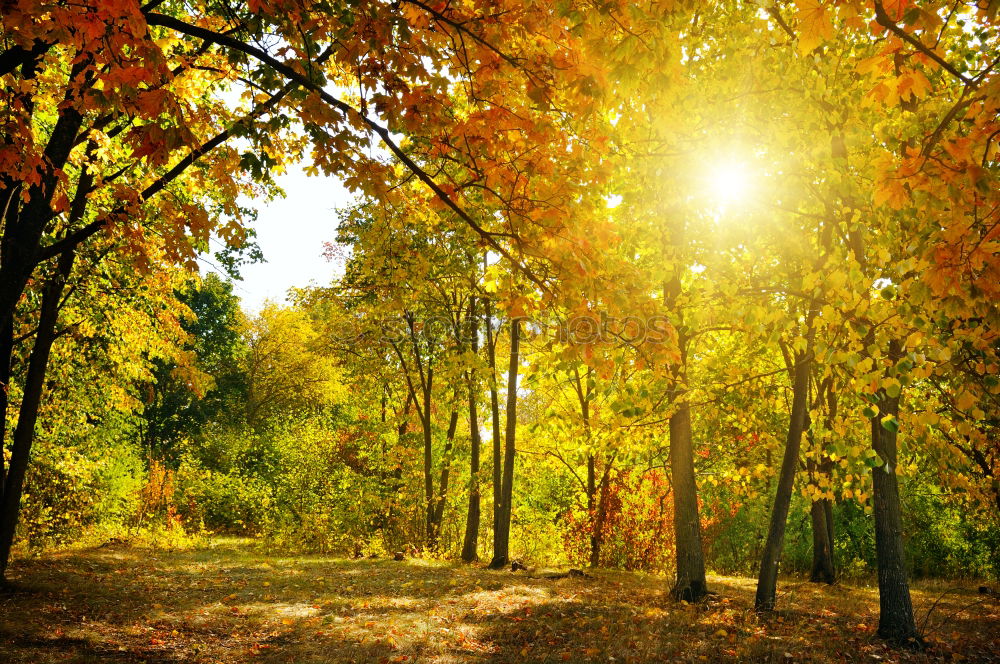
[349,111]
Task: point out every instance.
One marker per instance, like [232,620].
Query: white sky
[291,232]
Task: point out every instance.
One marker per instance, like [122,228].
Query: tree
[286,367]
[132,119]
[501,525]
[207,384]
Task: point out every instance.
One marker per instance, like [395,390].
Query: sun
[728,183]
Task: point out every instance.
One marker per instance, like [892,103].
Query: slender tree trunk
[595,553]
[767,580]
[820,514]
[826,467]
[896,622]
[583,393]
[501,530]
[597,539]
[828,508]
[495,419]
[822,565]
[445,474]
[34,385]
[397,473]
[6,359]
[470,545]
[425,421]
[690,584]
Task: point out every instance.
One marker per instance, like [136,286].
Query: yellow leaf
[965,400]
[814,25]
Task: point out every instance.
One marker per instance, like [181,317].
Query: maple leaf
[815,25]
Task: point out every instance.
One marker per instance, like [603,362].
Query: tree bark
[425,421]
[690,584]
[501,529]
[597,539]
[824,568]
[896,623]
[6,359]
[438,515]
[34,385]
[495,419]
[767,580]
[822,531]
[470,545]
[595,553]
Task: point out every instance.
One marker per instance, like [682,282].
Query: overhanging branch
[349,111]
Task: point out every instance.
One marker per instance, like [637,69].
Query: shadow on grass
[230,603]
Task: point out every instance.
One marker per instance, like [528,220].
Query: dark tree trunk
[821,515]
[597,539]
[396,474]
[896,622]
[6,359]
[824,568]
[470,545]
[595,546]
[596,508]
[767,580]
[442,496]
[501,529]
[25,223]
[690,584]
[495,419]
[34,385]
[425,421]
[822,531]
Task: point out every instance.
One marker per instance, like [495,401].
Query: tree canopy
[673,286]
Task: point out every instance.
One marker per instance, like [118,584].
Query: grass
[229,603]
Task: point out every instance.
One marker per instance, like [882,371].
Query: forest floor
[230,603]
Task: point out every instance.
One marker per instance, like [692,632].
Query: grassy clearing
[229,603]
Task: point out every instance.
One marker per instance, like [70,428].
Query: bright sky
[291,232]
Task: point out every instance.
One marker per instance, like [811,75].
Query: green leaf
[890,424]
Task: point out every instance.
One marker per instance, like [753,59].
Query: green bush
[70,489]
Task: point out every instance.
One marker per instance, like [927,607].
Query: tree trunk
[425,421]
[896,622]
[443,482]
[495,419]
[34,385]
[595,553]
[470,546]
[501,529]
[597,539]
[824,562]
[396,474]
[822,529]
[6,358]
[690,584]
[767,580]
[820,515]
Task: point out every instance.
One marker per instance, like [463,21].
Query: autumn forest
[652,331]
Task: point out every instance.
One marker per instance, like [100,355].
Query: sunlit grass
[230,604]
